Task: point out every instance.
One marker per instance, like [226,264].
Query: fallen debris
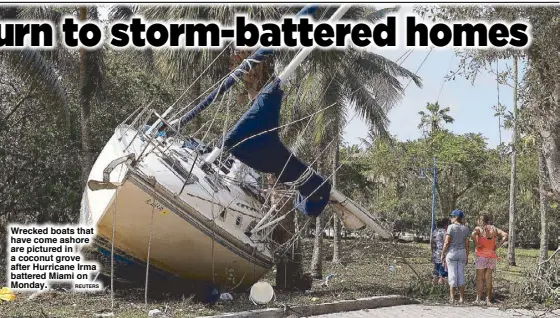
[154,313]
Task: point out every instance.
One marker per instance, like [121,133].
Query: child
[438,238]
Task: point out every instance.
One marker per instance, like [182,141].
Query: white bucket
[261,293]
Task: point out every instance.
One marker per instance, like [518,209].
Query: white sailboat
[199,213]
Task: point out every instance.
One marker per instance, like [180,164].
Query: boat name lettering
[245,206]
[155,204]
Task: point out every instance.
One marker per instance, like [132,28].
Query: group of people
[450,253]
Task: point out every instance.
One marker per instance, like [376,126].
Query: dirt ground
[369,268]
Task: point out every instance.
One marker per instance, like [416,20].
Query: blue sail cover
[266,152]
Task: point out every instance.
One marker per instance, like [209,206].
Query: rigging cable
[328,145]
[340,165]
[443,82]
[270,79]
[425,58]
[220,81]
[307,125]
[403,57]
[149,250]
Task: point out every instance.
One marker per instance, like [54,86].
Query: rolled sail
[255,141]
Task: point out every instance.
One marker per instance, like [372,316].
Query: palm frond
[59,56]
[9,13]
[122,12]
[331,120]
[32,67]
[373,63]
[185,65]
[366,105]
[45,13]
[380,13]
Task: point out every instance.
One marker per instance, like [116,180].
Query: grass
[368,268]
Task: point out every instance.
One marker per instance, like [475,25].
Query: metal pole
[433,201]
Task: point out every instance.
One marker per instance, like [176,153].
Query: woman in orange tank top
[484,237]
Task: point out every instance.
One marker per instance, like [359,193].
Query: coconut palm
[32,65]
[45,69]
[431,120]
[364,81]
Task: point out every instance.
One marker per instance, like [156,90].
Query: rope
[416,73]
[113,252]
[113,244]
[198,78]
[443,82]
[148,257]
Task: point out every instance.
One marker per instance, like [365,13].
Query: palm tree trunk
[512,237]
[500,127]
[336,220]
[85,106]
[198,120]
[543,187]
[317,258]
[550,134]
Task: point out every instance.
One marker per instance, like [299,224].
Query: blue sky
[471,105]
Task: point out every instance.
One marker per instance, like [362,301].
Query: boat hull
[178,239]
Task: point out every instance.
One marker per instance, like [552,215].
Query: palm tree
[91,76]
[430,121]
[361,80]
[513,175]
[33,66]
[44,69]
[543,200]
